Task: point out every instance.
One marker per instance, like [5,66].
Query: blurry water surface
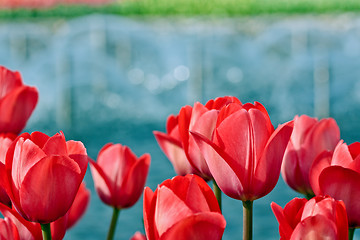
[112,79]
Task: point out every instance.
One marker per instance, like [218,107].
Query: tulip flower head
[318,218]
[309,139]
[179,145]
[44,174]
[17,101]
[182,208]
[119,176]
[244,154]
[338,175]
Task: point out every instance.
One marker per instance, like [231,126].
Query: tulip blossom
[309,139]
[182,208]
[44,174]
[318,218]
[8,230]
[119,176]
[17,101]
[245,153]
[179,146]
[339,176]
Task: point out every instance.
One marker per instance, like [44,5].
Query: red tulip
[119,176]
[339,176]
[138,236]
[5,142]
[44,174]
[79,206]
[17,101]
[318,218]
[309,138]
[245,153]
[180,147]
[182,208]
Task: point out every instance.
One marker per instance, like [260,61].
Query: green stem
[309,195]
[217,193]
[46,231]
[112,228]
[247,220]
[351,233]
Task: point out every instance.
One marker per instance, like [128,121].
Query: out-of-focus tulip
[8,230]
[17,101]
[339,176]
[5,141]
[244,154]
[79,206]
[138,236]
[44,174]
[318,218]
[119,176]
[182,208]
[309,139]
[180,147]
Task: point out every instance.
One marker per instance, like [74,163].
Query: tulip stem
[351,233]
[247,220]
[309,196]
[46,231]
[112,228]
[217,193]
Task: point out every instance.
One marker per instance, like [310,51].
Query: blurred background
[114,72]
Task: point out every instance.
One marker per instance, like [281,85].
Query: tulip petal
[129,192]
[285,229]
[201,226]
[16,108]
[315,227]
[39,138]
[343,184]
[75,147]
[9,81]
[169,209]
[342,156]
[174,152]
[102,183]
[49,188]
[56,145]
[267,171]
[302,125]
[322,161]
[79,206]
[231,185]
[149,213]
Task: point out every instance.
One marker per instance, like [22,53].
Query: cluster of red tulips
[39,4]
[234,145]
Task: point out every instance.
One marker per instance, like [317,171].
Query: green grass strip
[191,8]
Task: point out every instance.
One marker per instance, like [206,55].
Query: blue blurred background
[106,78]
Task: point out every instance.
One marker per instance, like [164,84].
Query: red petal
[342,156]
[320,163]
[218,161]
[75,147]
[285,229]
[343,184]
[317,227]
[267,170]
[129,192]
[9,81]
[103,185]
[49,188]
[79,205]
[202,226]
[149,214]
[56,145]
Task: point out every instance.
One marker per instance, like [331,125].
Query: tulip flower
[43,175]
[138,236]
[339,176]
[318,218]
[182,208]
[17,101]
[5,141]
[244,154]
[8,230]
[309,139]
[119,178]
